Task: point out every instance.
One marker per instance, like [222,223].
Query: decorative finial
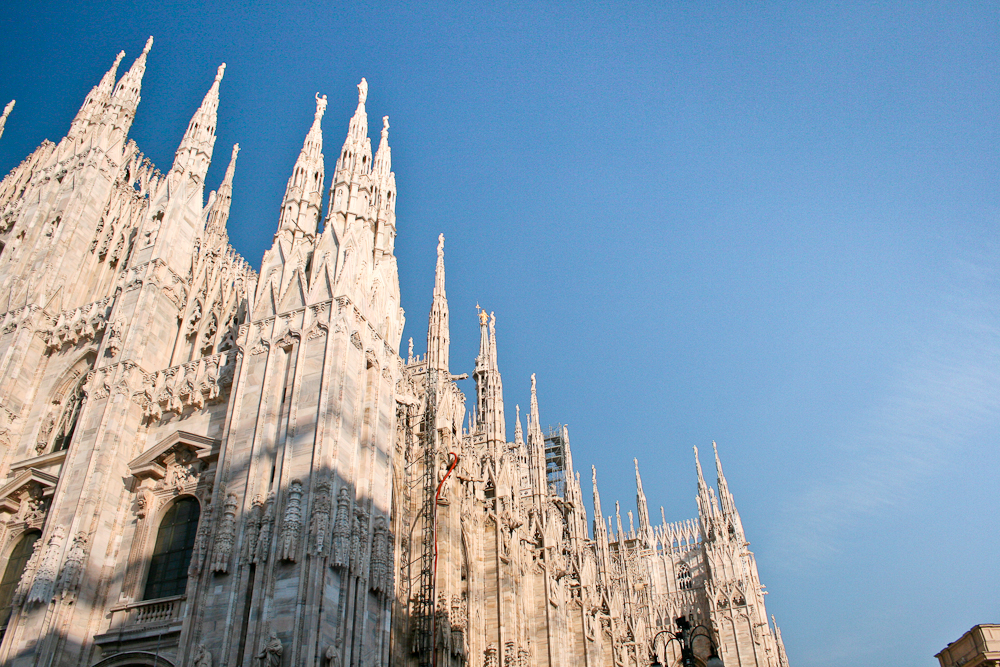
[149,44]
[410,351]
[220,72]
[362,91]
[385,127]
[532,383]
[441,250]
[236,151]
[118,58]
[320,105]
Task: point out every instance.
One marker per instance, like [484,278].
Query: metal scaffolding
[555,459]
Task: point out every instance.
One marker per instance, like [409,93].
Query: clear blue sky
[771,226]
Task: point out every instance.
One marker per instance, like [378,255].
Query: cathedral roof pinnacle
[96,100]
[300,208]
[126,92]
[697,463]
[718,463]
[518,433]
[218,214]
[3,117]
[194,154]
[438,336]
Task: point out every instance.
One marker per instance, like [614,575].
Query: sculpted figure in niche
[332,655]
[202,657]
[270,653]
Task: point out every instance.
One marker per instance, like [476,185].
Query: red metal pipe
[434,574]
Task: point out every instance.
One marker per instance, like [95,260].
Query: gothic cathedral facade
[203,464]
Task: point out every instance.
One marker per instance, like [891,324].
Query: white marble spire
[301,207]
[126,97]
[218,214]
[438,336]
[96,101]
[194,154]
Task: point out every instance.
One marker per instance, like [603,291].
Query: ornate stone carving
[24,585]
[358,539]
[291,525]
[192,384]
[79,324]
[253,527]
[320,528]
[45,433]
[226,537]
[48,568]
[116,336]
[145,502]
[266,527]
[342,530]
[490,658]
[442,624]
[201,542]
[381,559]
[69,579]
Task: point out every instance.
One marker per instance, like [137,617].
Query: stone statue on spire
[320,106]
[219,72]
[362,91]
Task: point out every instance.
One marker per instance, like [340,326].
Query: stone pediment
[153,462]
[30,479]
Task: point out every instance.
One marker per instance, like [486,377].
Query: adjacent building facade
[203,464]
[979,647]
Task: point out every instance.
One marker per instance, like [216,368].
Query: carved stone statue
[270,653]
[202,657]
[332,655]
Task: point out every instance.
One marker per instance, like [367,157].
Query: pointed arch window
[16,562]
[684,577]
[168,566]
[67,421]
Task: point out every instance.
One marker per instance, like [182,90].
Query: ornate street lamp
[685,636]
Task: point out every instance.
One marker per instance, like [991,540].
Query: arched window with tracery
[16,562]
[168,566]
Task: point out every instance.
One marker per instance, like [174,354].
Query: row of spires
[489,414]
[721,511]
[109,107]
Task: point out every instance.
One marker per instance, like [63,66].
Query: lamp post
[685,636]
